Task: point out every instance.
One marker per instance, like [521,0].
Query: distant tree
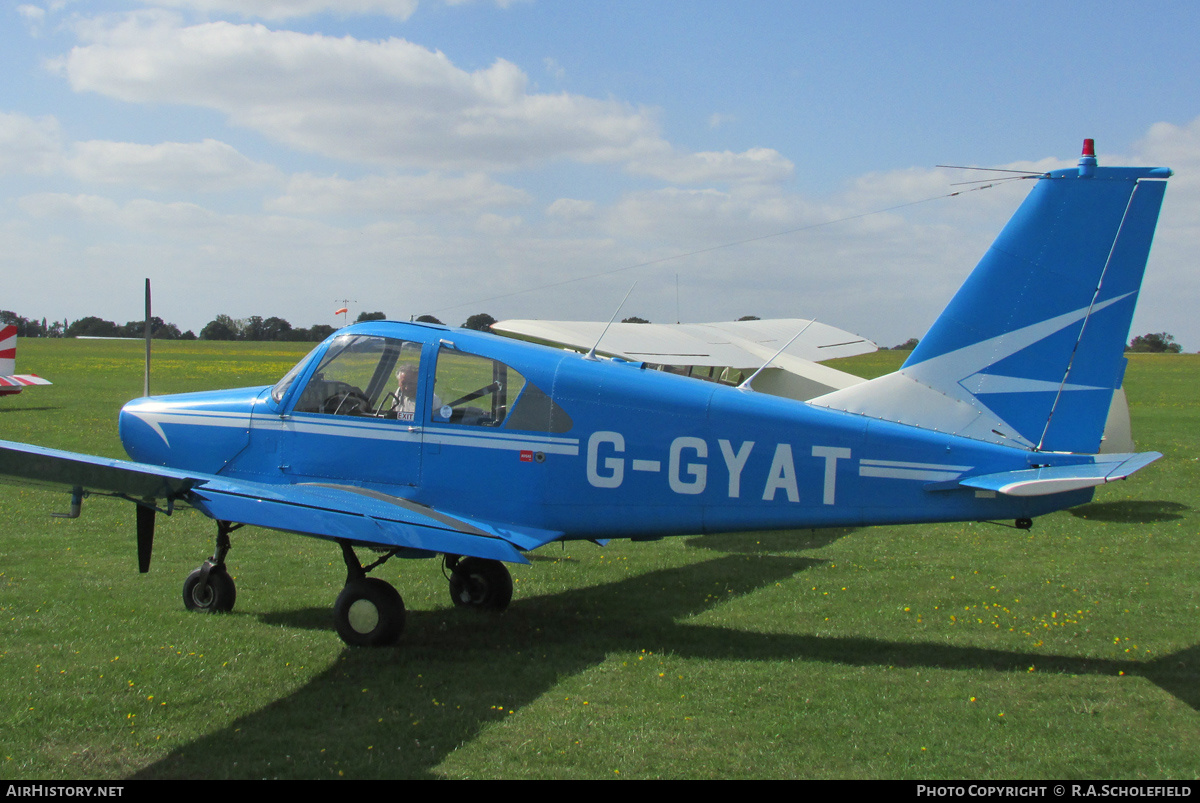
[251,328]
[320,331]
[188,335]
[1156,343]
[92,326]
[370,316]
[429,319]
[634,319]
[276,328]
[25,327]
[907,345]
[749,318]
[159,329]
[479,322]
[221,327]
[167,331]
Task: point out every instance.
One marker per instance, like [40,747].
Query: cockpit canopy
[384,377]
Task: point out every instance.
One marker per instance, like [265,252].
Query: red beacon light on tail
[1087,162]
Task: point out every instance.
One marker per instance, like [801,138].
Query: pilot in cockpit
[406,391]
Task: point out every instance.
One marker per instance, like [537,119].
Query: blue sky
[270,157]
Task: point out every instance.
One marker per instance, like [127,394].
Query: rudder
[1030,349]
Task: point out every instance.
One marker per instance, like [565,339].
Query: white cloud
[140,216]
[494,225]
[35,16]
[572,209]
[554,69]
[391,102]
[760,165]
[28,144]
[182,166]
[395,195]
[287,9]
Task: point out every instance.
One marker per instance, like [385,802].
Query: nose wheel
[210,588]
[214,594]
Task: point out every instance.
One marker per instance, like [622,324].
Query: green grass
[949,651]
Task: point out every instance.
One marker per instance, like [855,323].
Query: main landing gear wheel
[217,595]
[480,583]
[369,613]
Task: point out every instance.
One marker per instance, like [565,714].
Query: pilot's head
[406,378]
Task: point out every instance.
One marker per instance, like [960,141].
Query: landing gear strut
[368,612]
[210,588]
[479,583]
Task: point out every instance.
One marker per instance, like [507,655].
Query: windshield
[282,385]
[364,376]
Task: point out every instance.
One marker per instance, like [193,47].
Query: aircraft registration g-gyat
[10,381]
[421,441]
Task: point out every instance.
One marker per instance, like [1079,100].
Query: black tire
[217,597]
[369,613]
[480,583]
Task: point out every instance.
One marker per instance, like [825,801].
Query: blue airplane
[417,440]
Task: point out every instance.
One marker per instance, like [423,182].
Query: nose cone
[199,432]
[141,431]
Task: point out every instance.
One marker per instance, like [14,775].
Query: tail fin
[8,350]
[10,381]
[1030,349]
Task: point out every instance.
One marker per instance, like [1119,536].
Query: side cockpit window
[364,375]
[479,391]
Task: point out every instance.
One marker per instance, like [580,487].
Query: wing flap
[362,514]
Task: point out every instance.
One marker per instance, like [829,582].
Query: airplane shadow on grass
[1138,511]
[400,712]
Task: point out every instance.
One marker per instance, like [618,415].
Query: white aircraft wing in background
[725,351]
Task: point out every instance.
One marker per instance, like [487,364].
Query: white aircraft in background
[10,381]
[730,352]
[726,352]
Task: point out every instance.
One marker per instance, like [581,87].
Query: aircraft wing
[740,345]
[324,511]
[737,344]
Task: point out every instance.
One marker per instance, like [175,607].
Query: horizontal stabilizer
[22,380]
[1060,479]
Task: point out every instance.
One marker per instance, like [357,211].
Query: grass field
[949,651]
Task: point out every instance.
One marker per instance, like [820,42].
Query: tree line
[1154,343]
[222,327]
[225,327]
